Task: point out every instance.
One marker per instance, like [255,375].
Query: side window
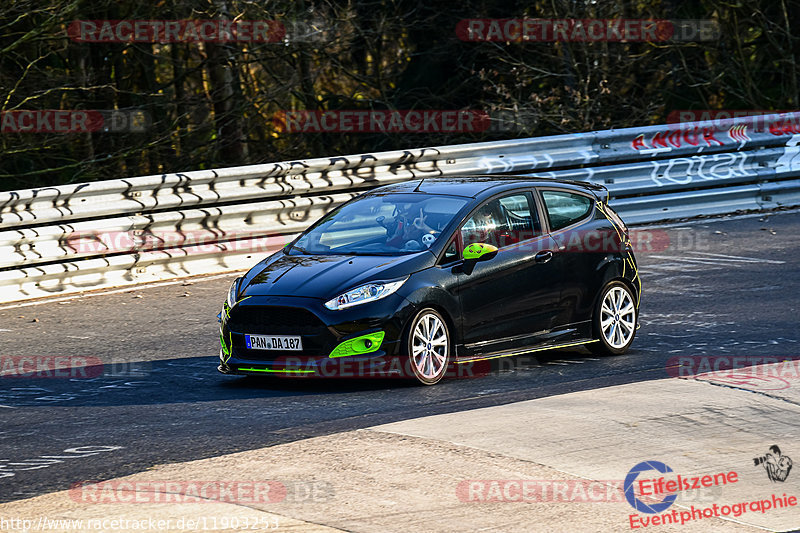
[565,208]
[502,222]
[451,252]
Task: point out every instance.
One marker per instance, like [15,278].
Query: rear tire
[615,320]
[428,345]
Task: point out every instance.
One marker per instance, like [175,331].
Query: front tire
[428,344]
[615,320]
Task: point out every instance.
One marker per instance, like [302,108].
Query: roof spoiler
[599,190]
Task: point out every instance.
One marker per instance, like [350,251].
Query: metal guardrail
[59,240]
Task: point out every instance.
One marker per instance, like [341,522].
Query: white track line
[740,258]
[717,218]
[687,260]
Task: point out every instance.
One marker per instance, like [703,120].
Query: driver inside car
[409,228]
[481,227]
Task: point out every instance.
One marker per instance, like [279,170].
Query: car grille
[273,320]
[270,320]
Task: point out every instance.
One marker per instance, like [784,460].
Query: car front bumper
[321,331]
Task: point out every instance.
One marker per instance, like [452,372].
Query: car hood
[326,276]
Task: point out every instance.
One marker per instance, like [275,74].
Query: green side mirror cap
[479,250]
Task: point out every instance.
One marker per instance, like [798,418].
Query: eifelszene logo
[630,494]
[667,487]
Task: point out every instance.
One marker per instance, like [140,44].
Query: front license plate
[274,342]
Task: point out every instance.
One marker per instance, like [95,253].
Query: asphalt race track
[722,287]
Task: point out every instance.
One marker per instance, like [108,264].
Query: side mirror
[479,251]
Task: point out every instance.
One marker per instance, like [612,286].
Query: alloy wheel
[430,347]
[617,317]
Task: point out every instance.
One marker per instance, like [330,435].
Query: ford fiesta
[415,278]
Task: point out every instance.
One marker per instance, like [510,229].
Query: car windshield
[389,224]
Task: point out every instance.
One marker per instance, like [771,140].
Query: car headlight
[364,293]
[233,292]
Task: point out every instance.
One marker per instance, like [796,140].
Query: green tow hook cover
[368,343]
[477,250]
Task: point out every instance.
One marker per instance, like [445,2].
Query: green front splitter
[270,370]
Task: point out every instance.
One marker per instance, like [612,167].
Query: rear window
[565,208]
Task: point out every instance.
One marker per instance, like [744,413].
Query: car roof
[481,185]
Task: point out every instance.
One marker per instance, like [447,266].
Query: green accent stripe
[276,371]
[526,351]
[225,348]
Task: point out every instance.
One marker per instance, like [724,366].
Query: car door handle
[543,257]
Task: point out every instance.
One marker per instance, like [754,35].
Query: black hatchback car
[415,278]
